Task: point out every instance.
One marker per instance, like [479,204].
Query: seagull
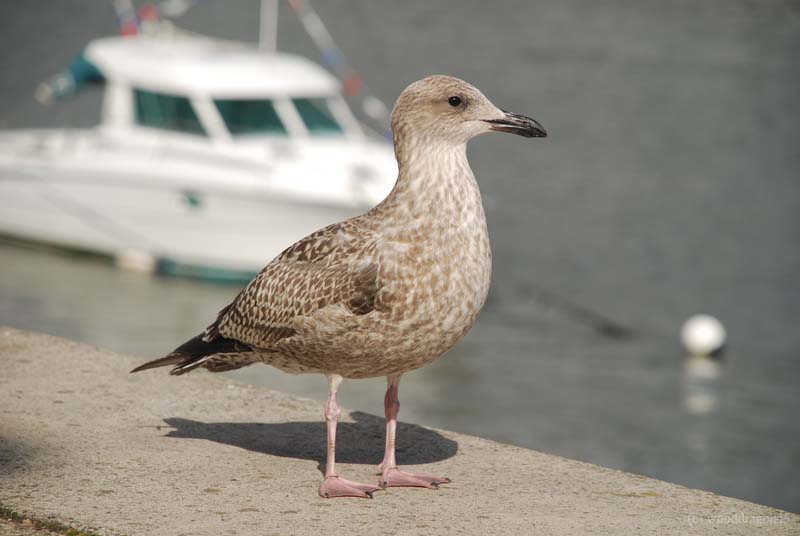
[383,293]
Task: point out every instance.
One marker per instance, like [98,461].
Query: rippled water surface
[668,186]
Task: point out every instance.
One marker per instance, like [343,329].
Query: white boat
[211,157]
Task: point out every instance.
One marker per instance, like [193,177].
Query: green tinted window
[250,116]
[170,112]
[317,116]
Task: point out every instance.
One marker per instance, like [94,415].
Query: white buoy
[702,335]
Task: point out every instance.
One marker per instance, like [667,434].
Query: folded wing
[335,266]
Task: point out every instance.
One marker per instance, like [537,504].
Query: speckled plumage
[382,293]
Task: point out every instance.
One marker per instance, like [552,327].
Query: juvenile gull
[382,293]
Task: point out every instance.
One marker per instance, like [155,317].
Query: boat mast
[268,27]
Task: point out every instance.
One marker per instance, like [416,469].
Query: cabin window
[250,116]
[171,112]
[317,116]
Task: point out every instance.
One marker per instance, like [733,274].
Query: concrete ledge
[87,445]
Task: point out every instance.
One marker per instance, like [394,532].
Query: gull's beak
[517,124]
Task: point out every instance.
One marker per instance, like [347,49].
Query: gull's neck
[434,182]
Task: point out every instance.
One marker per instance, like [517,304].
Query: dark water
[668,186]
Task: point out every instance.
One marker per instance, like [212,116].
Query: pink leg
[334,485]
[391,476]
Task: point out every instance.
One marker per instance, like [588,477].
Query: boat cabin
[223,91]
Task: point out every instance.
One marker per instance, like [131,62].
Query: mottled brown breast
[431,285]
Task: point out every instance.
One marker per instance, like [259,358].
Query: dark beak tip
[537,129]
[518,124]
[533,132]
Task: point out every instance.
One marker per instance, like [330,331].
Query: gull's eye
[454,101]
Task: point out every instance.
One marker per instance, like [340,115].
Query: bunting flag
[129,29]
[353,84]
[126,16]
[148,13]
[332,59]
[131,21]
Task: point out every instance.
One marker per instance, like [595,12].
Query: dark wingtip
[195,353]
[169,360]
[140,368]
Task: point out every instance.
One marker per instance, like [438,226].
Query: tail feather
[195,353]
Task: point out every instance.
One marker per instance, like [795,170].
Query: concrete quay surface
[89,446]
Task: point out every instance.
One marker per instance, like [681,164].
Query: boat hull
[198,233]
[183,205]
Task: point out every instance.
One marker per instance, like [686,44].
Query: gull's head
[446,109]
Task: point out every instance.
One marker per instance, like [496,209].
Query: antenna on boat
[268,26]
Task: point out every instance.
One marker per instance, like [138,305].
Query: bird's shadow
[358,442]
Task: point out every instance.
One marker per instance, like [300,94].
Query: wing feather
[336,265]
